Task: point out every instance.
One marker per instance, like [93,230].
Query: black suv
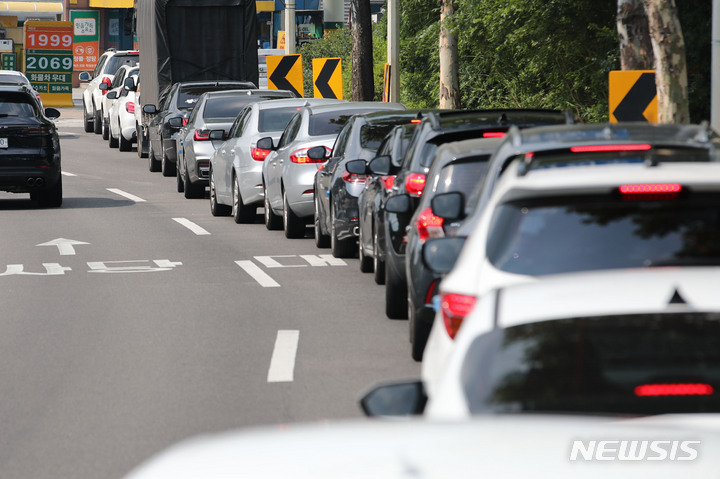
[29,146]
[179,101]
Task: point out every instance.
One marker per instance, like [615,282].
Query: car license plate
[3,142]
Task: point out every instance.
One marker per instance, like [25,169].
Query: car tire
[241,213]
[217,209]
[87,122]
[113,141]
[124,145]
[180,184]
[395,296]
[339,248]
[366,262]
[378,263]
[192,190]
[50,198]
[105,128]
[169,169]
[321,239]
[293,226]
[97,121]
[153,164]
[272,221]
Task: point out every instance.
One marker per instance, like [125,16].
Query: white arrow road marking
[282,364]
[192,226]
[134,198]
[257,274]
[64,246]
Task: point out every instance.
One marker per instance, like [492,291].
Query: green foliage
[335,44]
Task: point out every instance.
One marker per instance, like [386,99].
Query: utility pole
[715,68]
[290,27]
[393,49]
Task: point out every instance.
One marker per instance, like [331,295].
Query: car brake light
[388,181]
[185,121]
[258,154]
[130,107]
[455,307]
[429,226]
[494,134]
[416,120]
[300,156]
[201,135]
[596,148]
[650,188]
[415,183]
[353,178]
[688,389]
[106,81]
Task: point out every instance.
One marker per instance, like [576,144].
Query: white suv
[104,72]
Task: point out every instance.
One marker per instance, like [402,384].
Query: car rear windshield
[189,94]
[372,134]
[275,119]
[560,235]
[116,61]
[461,176]
[331,122]
[627,364]
[14,104]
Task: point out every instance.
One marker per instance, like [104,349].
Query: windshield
[630,364]
[581,234]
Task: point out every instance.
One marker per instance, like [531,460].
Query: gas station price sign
[49,60]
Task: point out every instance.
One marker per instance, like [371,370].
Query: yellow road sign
[327,78]
[285,72]
[632,96]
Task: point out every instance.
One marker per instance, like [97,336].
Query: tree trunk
[670,63]
[449,82]
[363,86]
[634,36]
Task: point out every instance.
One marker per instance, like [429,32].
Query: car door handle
[232,152]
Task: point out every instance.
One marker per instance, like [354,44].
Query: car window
[330,123]
[14,104]
[290,131]
[118,79]
[116,61]
[626,364]
[100,65]
[372,134]
[226,106]
[275,119]
[341,141]
[461,176]
[561,235]
[236,129]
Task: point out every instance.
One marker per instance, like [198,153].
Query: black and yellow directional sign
[327,78]
[632,96]
[285,73]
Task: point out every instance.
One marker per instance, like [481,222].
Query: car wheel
[51,198]
[112,140]
[240,212]
[272,221]
[125,145]
[105,128]
[97,121]
[419,335]
[153,164]
[378,263]
[321,239]
[366,263]
[169,169]
[294,227]
[339,248]
[395,296]
[142,142]
[87,122]
[192,190]
[180,186]
[216,208]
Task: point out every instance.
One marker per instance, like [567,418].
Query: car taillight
[354,178]
[455,307]
[130,107]
[494,134]
[36,131]
[388,181]
[106,81]
[686,389]
[650,192]
[300,156]
[415,183]
[185,121]
[597,148]
[429,226]
[258,154]
[201,135]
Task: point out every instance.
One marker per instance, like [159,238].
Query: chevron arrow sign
[632,96]
[285,73]
[327,78]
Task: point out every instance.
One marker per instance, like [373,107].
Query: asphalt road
[132,318]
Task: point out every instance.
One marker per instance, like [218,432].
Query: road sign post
[49,60]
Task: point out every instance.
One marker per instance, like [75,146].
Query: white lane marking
[282,364]
[257,274]
[64,246]
[65,173]
[198,230]
[134,198]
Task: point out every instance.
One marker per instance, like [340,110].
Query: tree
[448,54]
[634,36]
[363,87]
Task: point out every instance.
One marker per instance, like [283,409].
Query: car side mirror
[84,76]
[150,109]
[217,135]
[441,254]
[129,84]
[405,398]
[380,166]
[112,95]
[449,206]
[265,144]
[52,113]
[176,122]
[103,86]
[357,167]
[317,153]
[398,204]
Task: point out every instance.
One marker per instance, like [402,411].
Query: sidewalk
[74,112]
